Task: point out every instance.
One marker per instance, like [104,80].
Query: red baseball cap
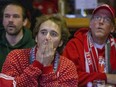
[107,7]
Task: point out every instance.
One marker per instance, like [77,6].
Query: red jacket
[74,50]
[18,66]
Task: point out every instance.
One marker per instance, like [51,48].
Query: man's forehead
[12,9]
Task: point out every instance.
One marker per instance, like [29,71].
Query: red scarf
[92,56]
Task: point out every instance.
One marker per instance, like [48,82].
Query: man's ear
[26,23]
[36,39]
[113,29]
[60,44]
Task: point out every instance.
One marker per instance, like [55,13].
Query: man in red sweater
[42,65]
[93,49]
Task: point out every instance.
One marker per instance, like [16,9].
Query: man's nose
[10,18]
[48,36]
[101,20]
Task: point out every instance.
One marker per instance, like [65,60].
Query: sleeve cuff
[47,69]
[37,64]
[103,76]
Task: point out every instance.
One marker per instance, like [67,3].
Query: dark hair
[24,12]
[59,20]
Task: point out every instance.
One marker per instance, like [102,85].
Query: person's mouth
[11,26]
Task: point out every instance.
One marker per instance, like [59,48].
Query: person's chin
[99,35]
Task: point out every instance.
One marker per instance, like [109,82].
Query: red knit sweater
[34,75]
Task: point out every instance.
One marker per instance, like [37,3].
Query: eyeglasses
[105,19]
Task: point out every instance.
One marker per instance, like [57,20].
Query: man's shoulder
[28,38]
[65,60]
[81,31]
[80,34]
[19,52]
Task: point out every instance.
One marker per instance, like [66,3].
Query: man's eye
[107,19]
[6,16]
[43,32]
[16,16]
[97,17]
[54,34]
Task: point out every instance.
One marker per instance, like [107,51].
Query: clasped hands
[45,53]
